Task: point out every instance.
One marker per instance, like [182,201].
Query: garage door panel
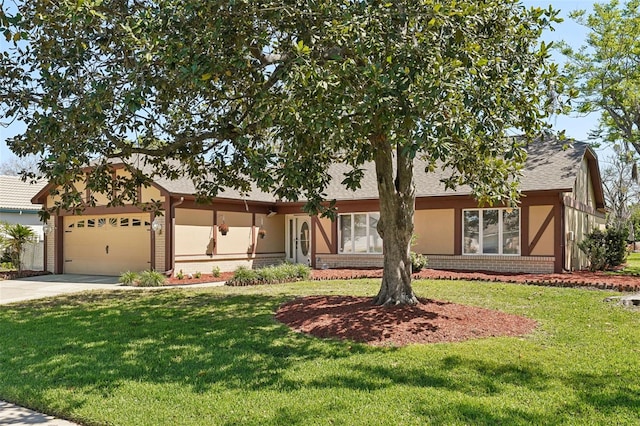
[107,244]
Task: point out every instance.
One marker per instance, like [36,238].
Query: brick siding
[522,264]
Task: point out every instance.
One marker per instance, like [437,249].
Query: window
[113,221]
[102,222]
[124,221]
[491,231]
[358,233]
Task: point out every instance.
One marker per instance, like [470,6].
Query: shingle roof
[549,167]
[185,186]
[16,194]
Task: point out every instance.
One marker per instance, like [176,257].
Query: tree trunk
[397,205]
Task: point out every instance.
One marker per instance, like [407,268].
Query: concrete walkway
[17,416]
[54,285]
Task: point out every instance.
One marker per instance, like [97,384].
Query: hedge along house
[562,201]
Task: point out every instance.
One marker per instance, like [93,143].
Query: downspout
[173,232]
[563,237]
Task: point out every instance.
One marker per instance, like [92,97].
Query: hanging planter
[224,228]
[262,233]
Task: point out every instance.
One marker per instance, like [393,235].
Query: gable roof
[551,165]
[15,195]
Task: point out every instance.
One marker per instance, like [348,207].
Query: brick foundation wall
[521,264]
[226,263]
[335,261]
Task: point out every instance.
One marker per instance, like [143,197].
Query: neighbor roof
[15,195]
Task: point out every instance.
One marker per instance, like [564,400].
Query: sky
[569,31]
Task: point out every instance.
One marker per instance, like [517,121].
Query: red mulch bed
[431,321]
[357,319]
[600,280]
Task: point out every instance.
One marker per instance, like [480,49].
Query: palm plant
[16,237]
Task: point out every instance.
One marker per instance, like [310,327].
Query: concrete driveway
[53,285]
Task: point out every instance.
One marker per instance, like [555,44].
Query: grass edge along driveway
[217,356]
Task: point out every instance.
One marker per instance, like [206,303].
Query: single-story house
[16,208]
[562,201]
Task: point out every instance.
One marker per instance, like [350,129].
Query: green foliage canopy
[605,72]
[273,91]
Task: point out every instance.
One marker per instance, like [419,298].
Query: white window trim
[500,231]
[352,252]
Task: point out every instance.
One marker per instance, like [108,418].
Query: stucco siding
[435,230]
[273,242]
[240,236]
[541,230]
[324,229]
[193,232]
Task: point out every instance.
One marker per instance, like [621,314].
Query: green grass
[217,356]
[633,265]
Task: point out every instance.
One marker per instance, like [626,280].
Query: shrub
[302,271]
[616,243]
[418,261]
[197,274]
[215,271]
[151,279]
[605,249]
[243,276]
[7,265]
[269,275]
[180,275]
[128,278]
[5,256]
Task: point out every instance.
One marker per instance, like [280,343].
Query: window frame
[501,231]
[352,236]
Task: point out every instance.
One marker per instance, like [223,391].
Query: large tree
[621,189]
[18,165]
[605,73]
[275,92]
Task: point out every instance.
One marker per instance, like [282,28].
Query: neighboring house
[16,207]
[562,200]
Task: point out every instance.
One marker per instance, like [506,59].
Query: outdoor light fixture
[48,228]
[156,225]
[272,213]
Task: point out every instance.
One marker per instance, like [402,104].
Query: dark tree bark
[397,206]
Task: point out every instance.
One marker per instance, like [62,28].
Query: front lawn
[633,265]
[217,356]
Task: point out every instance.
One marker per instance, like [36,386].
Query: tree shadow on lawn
[194,339]
[203,341]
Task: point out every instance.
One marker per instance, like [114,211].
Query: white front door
[299,239]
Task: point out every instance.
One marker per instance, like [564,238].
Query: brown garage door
[107,244]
